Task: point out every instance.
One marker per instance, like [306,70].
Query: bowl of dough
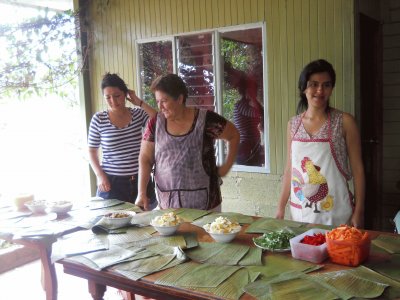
[222,230]
[166,224]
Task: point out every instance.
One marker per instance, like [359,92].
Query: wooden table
[98,280]
[44,245]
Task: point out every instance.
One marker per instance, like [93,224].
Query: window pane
[155,60]
[195,67]
[243,97]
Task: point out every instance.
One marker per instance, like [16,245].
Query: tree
[41,55]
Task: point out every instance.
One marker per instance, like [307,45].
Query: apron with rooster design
[319,190]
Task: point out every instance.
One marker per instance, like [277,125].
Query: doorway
[371,117]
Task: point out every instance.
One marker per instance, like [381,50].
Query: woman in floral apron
[321,142]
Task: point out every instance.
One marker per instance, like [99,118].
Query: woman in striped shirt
[118,131]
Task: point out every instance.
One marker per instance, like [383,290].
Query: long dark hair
[170,84]
[113,80]
[316,66]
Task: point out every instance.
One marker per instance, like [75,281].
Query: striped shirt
[120,146]
[247,119]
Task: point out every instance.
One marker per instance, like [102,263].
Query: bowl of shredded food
[118,219]
[222,230]
[166,224]
[277,241]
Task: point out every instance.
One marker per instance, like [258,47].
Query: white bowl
[166,230]
[36,206]
[118,219]
[223,237]
[60,207]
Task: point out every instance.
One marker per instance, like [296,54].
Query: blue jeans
[125,188]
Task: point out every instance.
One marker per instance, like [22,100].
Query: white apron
[319,191]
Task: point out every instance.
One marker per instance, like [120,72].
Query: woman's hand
[135,100]
[357,220]
[280,214]
[102,183]
[143,202]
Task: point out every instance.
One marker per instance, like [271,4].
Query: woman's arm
[231,135]
[353,143]
[135,100]
[102,180]
[285,192]
[146,162]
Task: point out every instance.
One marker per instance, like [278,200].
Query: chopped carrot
[347,245]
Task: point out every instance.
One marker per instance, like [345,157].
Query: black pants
[125,188]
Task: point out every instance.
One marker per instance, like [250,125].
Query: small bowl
[166,230]
[36,206]
[60,207]
[223,237]
[118,219]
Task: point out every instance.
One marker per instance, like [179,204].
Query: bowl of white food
[60,207]
[222,230]
[36,206]
[167,224]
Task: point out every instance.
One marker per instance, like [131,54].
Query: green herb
[275,240]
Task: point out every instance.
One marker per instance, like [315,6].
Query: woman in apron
[179,142]
[321,143]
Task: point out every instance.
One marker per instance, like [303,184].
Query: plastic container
[315,254]
[349,253]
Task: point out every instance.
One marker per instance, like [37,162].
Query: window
[196,68]
[231,83]
[155,59]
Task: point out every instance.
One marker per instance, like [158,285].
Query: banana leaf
[173,240]
[131,234]
[392,292]
[232,288]
[128,206]
[390,243]
[346,284]
[273,265]
[263,225]
[136,275]
[103,259]
[261,288]
[389,267]
[170,277]
[298,289]
[252,258]
[234,217]
[206,275]
[205,251]
[231,255]
[189,214]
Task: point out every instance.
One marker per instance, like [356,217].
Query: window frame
[218,91]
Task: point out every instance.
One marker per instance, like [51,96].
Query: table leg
[49,277]
[96,290]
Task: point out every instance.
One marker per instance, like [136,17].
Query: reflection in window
[196,68]
[243,97]
[239,71]
[155,59]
